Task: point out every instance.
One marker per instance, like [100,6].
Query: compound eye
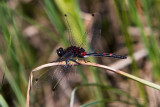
[61,49]
[60,52]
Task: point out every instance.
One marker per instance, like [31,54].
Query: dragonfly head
[60,52]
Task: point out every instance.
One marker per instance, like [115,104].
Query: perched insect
[56,74]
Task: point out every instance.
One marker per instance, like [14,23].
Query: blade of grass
[72,7]
[103,101]
[55,19]
[110,89]
[142,81]
[3,103]
[125,22]
[153,43]
[1,85]
[53,16]
[12,82]
[8,27]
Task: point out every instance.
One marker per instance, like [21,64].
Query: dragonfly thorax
[76,51]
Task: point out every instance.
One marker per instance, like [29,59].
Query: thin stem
[142,81]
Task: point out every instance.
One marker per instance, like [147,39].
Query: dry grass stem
[87,64]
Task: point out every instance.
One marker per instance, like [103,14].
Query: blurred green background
[32,30]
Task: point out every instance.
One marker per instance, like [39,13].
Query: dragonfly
[56,74]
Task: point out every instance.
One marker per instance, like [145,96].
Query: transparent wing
[75,28]
[54,76]
[93,32]
[77,35]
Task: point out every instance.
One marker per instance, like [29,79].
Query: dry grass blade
[29,89]
[150,84]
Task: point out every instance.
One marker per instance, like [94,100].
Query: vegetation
[32,30]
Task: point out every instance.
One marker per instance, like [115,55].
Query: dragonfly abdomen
[106,55]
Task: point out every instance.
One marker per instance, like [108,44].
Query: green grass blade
[12,82]
[125,23]
[71,7]
[55,19]
[16,79]
[104,101]
[110,89]
[1,85]
[3,103]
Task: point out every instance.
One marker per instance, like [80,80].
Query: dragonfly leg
[75,61]
[66,63]
[85,60]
